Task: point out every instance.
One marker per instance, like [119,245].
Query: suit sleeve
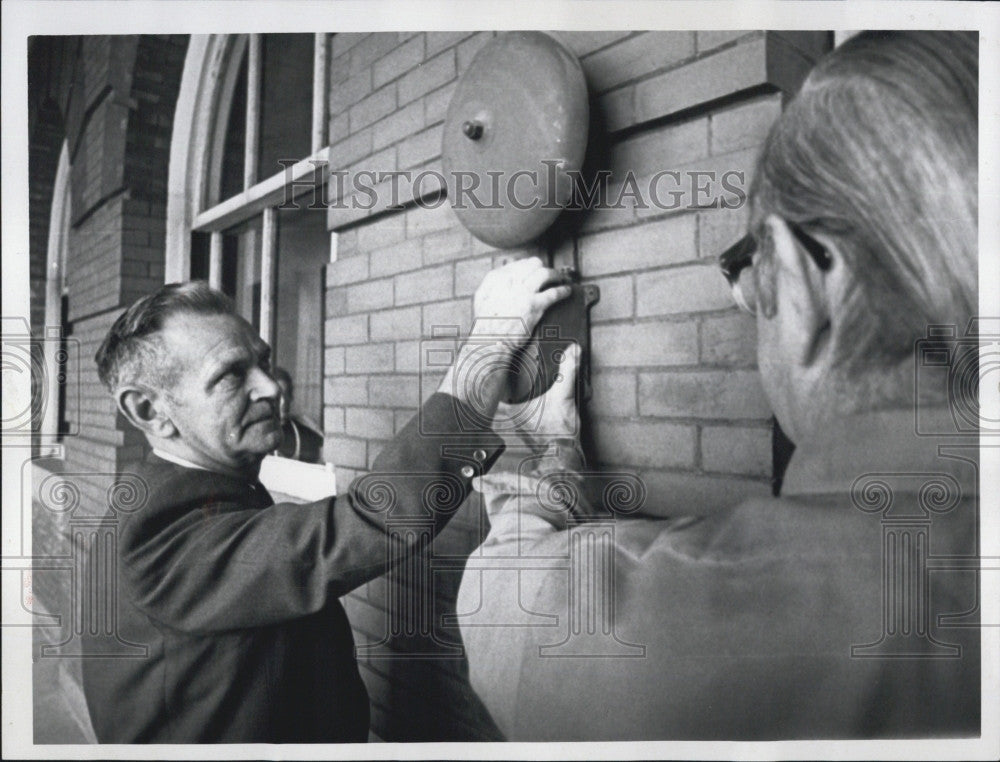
[239,566]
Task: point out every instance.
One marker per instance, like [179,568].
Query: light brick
[662,149]
[438,41]
[396,391]
[346,330]
[347,152]
[585,43]
[644,344]
[399,61]
[639,247]
[727,449]
[333,420]
[421,221]
[420,148]
[734,394]
[429,75]
[469,273]
[345,391]
[718,229]
[345,451]
[400,257]
[729,71]
[745,125]
[398,323]
[457,312]
[370,358]
[374,107]
[336,301]
[635,57]
[446,246]
[652,444]
[333,361]
[430,284]
[613,393]
[374,167]
[384,232]
[436,103]
[408,356]
[371,295]
[616,300]
[715,37]
[406,121]
[345,94]
[371,48]
[369,423]
[693,288]
[729,340]
[347,270]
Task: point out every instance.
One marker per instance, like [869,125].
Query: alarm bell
[516,127]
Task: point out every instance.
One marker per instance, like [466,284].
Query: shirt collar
[881,442]
[162,454]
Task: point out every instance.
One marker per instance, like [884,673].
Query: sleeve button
[479,455]
[468,472]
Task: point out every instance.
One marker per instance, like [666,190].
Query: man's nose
[262,386]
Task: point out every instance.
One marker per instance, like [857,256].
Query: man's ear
[145,410]
[804,293]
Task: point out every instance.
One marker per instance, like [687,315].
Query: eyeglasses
[739,256]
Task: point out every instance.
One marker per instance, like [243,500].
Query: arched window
[250,134]
[54,422]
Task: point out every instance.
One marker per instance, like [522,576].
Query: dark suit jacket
[236,596]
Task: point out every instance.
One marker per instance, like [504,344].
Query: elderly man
[846,607]
[235,596]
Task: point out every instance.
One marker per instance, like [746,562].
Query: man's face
[223,403]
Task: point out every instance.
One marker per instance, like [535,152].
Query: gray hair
[879,152]
[132,352]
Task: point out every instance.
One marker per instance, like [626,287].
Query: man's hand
[550,426]
[511,300]
[553,418]
[508,304]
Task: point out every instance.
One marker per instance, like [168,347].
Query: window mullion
[320,58]
[253,112]
[215,260]
[268,273]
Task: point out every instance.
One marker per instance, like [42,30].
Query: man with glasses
[814,614]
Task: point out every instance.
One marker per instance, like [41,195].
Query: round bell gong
[516,125]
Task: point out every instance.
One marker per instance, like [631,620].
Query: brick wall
[115,100]
[676,397]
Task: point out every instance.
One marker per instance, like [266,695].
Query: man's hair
[879,152]
[132,352]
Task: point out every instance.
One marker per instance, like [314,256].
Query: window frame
[259,196]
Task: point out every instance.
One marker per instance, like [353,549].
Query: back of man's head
[878,152]
[132,352]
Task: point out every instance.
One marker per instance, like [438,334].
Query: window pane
[241,249]
[285,100]
[303,246]
[236,129]
[200,248]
